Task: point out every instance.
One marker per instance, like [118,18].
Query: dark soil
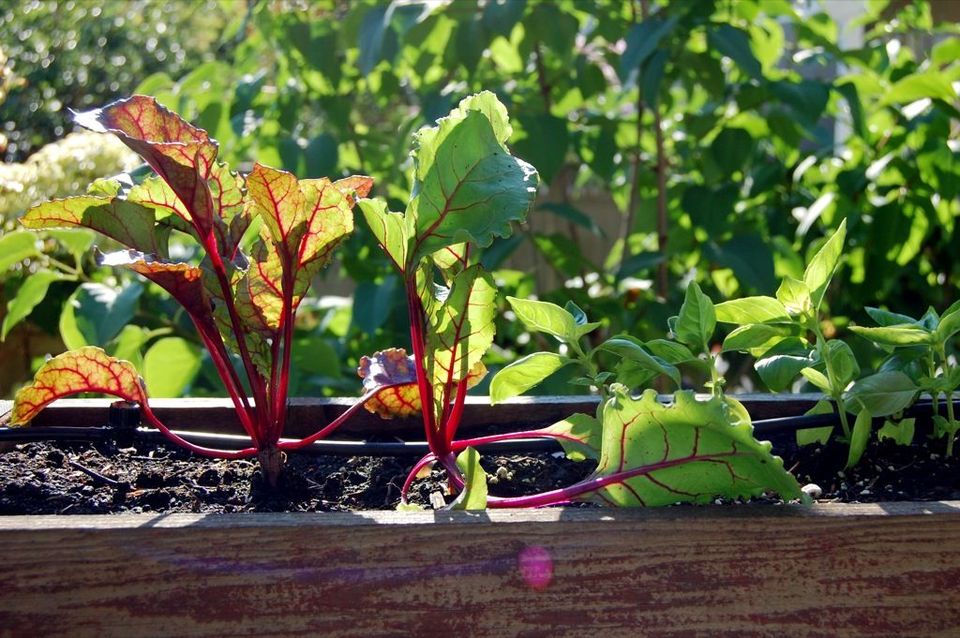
[64,478]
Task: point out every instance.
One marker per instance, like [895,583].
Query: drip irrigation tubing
[124,431]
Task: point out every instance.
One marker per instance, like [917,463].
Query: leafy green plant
[647,453]
[467,190]
[243,304]
[918,361]
[786,335]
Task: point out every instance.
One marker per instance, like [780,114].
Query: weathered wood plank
[826,570]
[308,415]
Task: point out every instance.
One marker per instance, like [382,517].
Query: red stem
[565,494]
[462,444]
[333,425]
[452,422]
[197,449]
[412,476]
[415,311]
[280,382]
[256,381]
[228,375]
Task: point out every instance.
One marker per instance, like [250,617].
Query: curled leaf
[88,369]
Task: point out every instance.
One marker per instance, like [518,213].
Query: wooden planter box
[825,570]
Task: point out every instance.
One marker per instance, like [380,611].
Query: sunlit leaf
[690,451]
[129,223]
[523,374]
[88,369]
[474,493]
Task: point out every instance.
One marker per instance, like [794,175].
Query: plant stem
[951,417]
[336,423]
[836,393]
[197,449]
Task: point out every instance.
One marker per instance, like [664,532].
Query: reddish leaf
[183,281]
[354,187]
[129,223]
[88,369]
[182,154]
[275,196]
[394,372]
[385,369]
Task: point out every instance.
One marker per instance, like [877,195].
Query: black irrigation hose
[126,433]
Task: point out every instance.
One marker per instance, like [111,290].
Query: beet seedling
[243,306]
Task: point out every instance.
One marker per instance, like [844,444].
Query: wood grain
[825,570]
[308,415]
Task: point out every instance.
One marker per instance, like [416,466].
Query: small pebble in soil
[812,490]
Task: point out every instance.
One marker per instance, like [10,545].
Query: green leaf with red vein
[580,435]
[463,328]
[389,228]
[328,216]
[182,154]
[88,369]
[275,196]
[127,222]
[689,451]
[468,186]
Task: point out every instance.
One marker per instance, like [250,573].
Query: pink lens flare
[536,566]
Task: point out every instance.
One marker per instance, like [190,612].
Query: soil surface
[68,478]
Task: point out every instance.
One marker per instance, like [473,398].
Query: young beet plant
[467,190]
[243,306]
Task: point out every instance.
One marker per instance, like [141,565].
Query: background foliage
[677,142]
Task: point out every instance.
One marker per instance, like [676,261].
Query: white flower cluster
[61,169]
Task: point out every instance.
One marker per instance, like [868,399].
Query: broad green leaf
[389,229]
[474,494]
[949,326]
[468,187]
[523,374]
[883,393]
[464,328]
[809,436]
[930,84]
[17,246]
[843,362]
[886,318]
[129,223]
[634,352]
[758,335]
[817,378]
[795,297]
[31,293]
[98,312]
[169,367]
[126,346]
[670,351]
[752,310]
[735,44]
[77,241]
[88,369]
[543,316]
[642,40]
[689,451]
[580,435]
[859,437]
[697,318]
[779,367]
[821,268]
[900,432]
[903,335]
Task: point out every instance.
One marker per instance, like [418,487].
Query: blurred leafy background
[715,141]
